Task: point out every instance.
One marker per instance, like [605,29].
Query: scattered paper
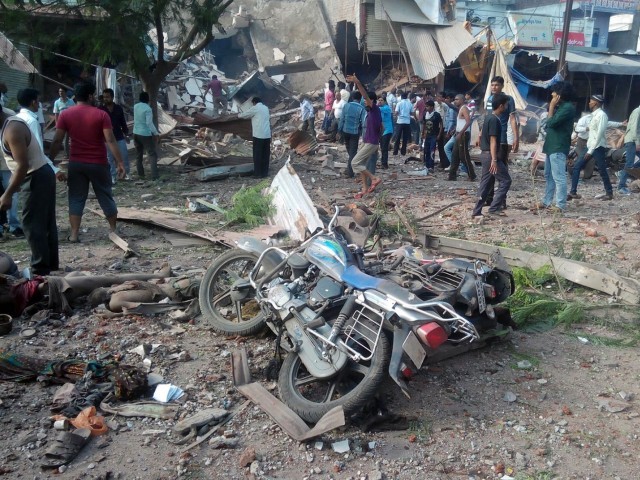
[165,392]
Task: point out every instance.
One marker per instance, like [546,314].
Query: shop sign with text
[576,39]
[531,30]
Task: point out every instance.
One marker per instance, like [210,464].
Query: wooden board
[591,276]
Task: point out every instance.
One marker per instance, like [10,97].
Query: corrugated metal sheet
[423,51]
[15,78]
[452,41]
[403,11]
[379,36]
[302,142]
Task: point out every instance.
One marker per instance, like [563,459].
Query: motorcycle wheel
[354,386]
[242,318]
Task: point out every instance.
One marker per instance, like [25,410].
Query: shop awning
[402,11]
[594,62]
[433,48]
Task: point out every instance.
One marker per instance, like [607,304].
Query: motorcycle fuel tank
[329,255]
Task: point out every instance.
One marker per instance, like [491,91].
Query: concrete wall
[297,28]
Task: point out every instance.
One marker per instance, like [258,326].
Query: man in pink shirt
[329,98]
[219,98]
[89,128]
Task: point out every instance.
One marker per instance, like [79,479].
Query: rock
[510,397]
[524,365]
[341,447]
[375,475]
[318,445]
[254,469]
[590,232]
[147,196]
[612,406]
[247,457]
[603,239]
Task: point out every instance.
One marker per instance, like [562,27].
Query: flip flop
[65,448]
[77,240]
[374,185]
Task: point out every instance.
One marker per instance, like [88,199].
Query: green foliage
[250,207]
[525,277]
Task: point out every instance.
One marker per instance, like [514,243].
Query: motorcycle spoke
[238,306]
[358,368]
[330,391]
[304,381]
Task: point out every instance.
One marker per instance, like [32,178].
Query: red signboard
[576,39]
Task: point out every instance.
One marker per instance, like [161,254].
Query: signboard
[576,39]
[531,30]
[612,6]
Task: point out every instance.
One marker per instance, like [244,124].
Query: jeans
[429,152]
[351,142]
[14,221]
[631,162]
[448,148]
[598,155]
[385,140]
[460,156]
[326,122]
[309,125]
[487,179]
[442,154]
[124,153]
[146,143]
[555,175]
[404,134]
[415,131]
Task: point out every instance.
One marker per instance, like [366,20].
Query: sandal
[77,240]
[374,184]
[66,447]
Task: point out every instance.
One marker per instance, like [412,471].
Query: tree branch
[160,34]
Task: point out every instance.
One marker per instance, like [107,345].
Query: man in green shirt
[556,145]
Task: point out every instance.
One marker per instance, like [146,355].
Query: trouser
[309,125]
[124,153]
[146,143]
[12,216]
[385,140]
[601,163]
[404,134]
[261,154]
[459,155]
[487,178]
[555,175]
[326,122]
[503,156]
[38,198]
[581,150]
[351,142]
[442,154]
[448,148]
[631,162]
[429,152]
[415,131]
[220,101]
[363,157]
[333,130]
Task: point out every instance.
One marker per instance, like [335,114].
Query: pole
[565,38]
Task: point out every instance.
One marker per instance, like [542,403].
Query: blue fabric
[352,118]
[631,162]
[387,119]
[555,174]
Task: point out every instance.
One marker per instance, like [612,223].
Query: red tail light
[432,334]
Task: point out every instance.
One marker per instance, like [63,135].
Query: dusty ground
[461,426]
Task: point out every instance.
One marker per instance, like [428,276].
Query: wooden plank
[179,240]
[123,244]
[592,276]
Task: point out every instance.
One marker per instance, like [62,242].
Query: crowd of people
[441,123]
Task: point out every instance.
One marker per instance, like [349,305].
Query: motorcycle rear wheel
[354,386]
[242,318]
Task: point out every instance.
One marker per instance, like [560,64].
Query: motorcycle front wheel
[352,387]
[219,310]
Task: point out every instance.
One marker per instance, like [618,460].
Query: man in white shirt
[336,115]
[60,105]
[404,111]
[596,148]
[261,131]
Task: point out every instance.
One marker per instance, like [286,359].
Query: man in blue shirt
[351,125]
[387,133]
[145,136]
[404,111]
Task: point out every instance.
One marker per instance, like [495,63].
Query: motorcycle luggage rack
[361,334]
[443,281]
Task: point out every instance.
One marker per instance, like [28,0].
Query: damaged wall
[296,28]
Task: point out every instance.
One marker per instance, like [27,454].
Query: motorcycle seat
[356,278]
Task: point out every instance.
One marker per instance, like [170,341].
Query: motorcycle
[342,327]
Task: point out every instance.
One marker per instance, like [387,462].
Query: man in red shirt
[219,99]
[89,128]
[329,97]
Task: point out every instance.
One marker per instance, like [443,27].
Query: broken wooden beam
[123,244]
[582,273]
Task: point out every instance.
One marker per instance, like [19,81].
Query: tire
[215,304]
[351,387]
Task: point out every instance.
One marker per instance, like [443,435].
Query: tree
[116,30]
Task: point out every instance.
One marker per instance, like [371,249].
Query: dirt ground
[537,405]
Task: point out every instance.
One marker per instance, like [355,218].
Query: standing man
[508,117]
[371,139]
[307,115]
[431,130]
[419,115]
[441,107]
[557,145]
[120,131]
[219,98]
[329,98]
[631,147]
[89,129]
[450,126]
[33,176]
[261,130]
[387,132]
[493,166]
[351,125]
[336,115]
[596,148]
[461,141]
[145,136]
[404,109]
[59,106]
[344,93]
[582,132]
